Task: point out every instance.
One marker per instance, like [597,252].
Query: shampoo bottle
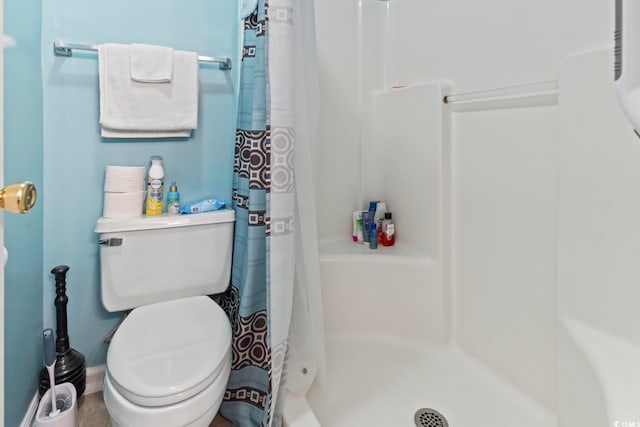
[173,200]
[155,186]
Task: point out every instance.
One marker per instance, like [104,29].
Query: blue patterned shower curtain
[259,299]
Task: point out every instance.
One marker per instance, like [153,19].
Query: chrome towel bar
[66,49]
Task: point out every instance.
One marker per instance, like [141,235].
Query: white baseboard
[27,421]
[95,378]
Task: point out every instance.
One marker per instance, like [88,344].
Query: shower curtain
[306,361]
[259,299]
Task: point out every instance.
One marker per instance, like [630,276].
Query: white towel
[151,64]
[113,133]
[127,105]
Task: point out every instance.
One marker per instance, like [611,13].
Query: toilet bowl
[168,364]
[169,361]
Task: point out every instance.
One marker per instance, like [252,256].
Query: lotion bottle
[155,187]
[358,235]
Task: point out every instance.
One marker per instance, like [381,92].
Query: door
[2,261]
[18,198]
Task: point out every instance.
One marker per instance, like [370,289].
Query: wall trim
[30,416]
[95,378]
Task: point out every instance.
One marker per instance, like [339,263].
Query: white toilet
[168,363]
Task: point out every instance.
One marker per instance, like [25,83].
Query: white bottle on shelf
[381,209]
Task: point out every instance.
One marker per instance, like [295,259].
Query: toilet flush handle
[114,241]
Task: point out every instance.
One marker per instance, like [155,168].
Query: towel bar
[66,49]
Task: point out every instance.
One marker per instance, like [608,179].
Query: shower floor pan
[373,382]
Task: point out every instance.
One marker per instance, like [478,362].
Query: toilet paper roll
[123,205]
[124,179]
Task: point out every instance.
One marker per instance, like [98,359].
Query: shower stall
[510,297]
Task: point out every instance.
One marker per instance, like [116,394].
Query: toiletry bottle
[155,183]
[388,234]
[358,235]
[373,236]
[368,219]
[381,208]
[173,200]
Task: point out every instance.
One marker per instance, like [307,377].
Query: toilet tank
[152,259]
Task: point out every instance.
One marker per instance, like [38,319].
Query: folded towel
[151,64]
[113,133]
[127,105]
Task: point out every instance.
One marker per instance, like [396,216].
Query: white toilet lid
[167,352]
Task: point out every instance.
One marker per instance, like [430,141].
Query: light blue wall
[75,155]
[23,233]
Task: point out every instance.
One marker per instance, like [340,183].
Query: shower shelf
[347,249]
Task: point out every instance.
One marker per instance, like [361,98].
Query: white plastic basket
[67,404]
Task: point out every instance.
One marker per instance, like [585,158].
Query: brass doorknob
[19,197]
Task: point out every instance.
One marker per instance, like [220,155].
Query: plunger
[70,364]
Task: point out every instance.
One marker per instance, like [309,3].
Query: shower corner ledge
[347,250]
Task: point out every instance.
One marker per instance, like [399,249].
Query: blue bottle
[368,218]
[373,236]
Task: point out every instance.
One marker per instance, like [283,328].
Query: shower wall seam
[360,103]
[447,212]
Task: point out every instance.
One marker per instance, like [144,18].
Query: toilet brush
[50,363]
[57,407]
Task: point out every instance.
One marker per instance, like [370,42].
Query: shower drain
[427,417]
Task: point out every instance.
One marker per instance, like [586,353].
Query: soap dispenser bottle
[155,187]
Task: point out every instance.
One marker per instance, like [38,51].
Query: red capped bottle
[388,231]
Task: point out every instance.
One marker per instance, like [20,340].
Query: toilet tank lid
[113,225]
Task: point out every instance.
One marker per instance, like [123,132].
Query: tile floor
[92,413]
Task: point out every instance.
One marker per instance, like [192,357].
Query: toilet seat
[197,411]
[167,352]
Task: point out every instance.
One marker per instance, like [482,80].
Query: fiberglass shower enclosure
[512,289]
